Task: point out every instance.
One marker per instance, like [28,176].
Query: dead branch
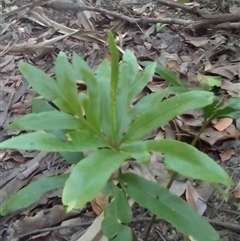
[204,22]
[186,8]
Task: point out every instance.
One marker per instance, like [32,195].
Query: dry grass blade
[37,15]
[32,48]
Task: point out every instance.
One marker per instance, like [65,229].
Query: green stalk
[114,83]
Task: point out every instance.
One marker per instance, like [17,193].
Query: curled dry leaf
[226,155]
[99,203]
[194,199]
[236,191]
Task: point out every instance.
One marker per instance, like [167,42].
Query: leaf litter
[44,30]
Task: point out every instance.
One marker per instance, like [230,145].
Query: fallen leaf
[236,191]
[232,131]
[223,124]
[226,155]
[232,87]
[211,136]
[99,203]
[228,71]
[194,199]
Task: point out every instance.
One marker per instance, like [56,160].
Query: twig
[186,8]
[126,18]
[25,7]
[216,19]
[230,226]
[205,21]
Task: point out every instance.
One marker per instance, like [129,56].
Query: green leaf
[83,71]
[220,108]
[165,111]
[141,81]
[140,156]
[72,157]
[44,85]
[230,108]
[183,159]
[130,69]
[89,176]
[82,98]
[127,75]
[168,75]
[208,110]
[39,106]
[104,83]
[148,101]
[32,192]
[51,120]
[42,141]
[164,204]
[122,98]
[123,209]
[143,105]
[110,225]
[124,234]
[67,83]
[176,90]
[208,82]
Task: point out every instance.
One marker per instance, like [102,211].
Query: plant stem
[204,125]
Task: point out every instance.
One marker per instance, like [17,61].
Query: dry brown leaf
[236,191]
[14,156]
[160,14]
[172,65]
[194,199]
[232,131]
[228,71]
[99,203]
[223,124]
[42,219]
[231,87]
[147,45]
[189,120]
[211,136]
[226,155]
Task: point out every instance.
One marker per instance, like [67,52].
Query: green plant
[104,123]
[159,26]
